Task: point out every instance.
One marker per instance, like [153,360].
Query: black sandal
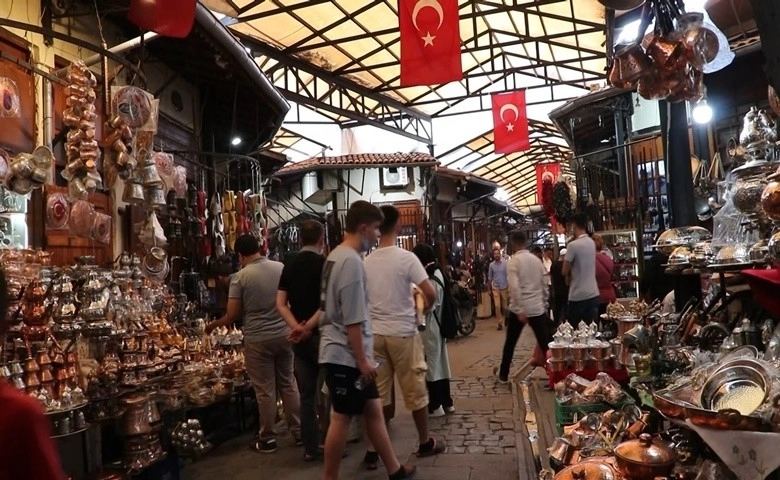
[371,461]
[406,471]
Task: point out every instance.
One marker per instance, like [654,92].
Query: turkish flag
[430,42]
[510,122]
[170,18]
[546,172]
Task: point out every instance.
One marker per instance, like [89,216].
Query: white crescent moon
[508,106]
[434,4]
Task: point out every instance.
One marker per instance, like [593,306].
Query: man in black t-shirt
[298,300]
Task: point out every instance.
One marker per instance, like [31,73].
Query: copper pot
[770,198]
[645,458]
[665,53]
[594,468]
[630,64]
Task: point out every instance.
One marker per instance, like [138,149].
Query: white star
[428,39]
[510,127]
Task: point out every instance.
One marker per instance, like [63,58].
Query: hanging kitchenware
[154,197]
[81,218]
[57,211]
[700,42]
[133,192]
[133,105]
[10,104]
[101,227]
[630,64]
[180,181]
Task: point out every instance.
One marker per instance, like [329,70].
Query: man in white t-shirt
[390,273]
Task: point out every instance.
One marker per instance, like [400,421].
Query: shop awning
[240,98]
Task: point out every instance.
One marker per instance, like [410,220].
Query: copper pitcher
[135,420]
[666,54]
[632,63]
[700,42]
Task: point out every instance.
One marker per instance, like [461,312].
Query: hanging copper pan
[622,4]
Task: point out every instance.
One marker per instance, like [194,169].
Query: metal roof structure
[341,58]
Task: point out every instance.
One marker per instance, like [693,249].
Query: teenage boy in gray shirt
[347,346]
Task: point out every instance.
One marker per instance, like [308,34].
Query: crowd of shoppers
[349,323]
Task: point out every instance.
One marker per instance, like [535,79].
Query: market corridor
[484,436]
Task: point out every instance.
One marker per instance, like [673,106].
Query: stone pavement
[484,436]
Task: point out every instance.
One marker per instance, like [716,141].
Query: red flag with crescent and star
[170,18]
[510,122]
[430,42]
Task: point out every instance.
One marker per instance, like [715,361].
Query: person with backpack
[434,341]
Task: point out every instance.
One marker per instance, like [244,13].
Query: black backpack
[450,314]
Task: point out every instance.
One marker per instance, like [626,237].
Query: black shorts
[344,397]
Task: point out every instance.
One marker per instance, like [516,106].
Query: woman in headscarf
[438,376]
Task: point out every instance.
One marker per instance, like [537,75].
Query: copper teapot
[34,310]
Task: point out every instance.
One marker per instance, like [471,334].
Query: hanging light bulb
[702,112]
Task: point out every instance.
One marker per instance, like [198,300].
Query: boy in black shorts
[346,345]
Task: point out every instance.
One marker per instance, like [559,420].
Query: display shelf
[625,253]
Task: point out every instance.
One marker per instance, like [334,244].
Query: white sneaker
[450,409]
[439,412]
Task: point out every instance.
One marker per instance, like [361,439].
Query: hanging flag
[546,173]
[430,42]
[170,18]
[510,122]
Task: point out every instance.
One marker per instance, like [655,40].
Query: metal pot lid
[646,451]
[594,468]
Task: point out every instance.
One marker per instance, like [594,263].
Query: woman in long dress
[438,376]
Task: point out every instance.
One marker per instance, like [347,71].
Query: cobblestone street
[484,437]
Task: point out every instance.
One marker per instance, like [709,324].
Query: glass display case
[13,219]
[623,246]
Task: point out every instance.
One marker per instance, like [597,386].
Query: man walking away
[298,301]
[580,267]
[347,345]
[527,303]
[498,285]
[391,271]
[269,357]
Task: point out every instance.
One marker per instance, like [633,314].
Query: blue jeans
[582,310]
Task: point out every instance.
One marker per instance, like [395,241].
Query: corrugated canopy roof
[341,57]
[516,170]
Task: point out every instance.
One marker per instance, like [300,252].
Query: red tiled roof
[360,160]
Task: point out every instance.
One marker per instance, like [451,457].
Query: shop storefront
[677,380]
[125,185]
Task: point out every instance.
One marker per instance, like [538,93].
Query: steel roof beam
[493,9]
[288,62]
[348,67]
[280,10]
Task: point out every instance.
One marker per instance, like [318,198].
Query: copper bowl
[645,458]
